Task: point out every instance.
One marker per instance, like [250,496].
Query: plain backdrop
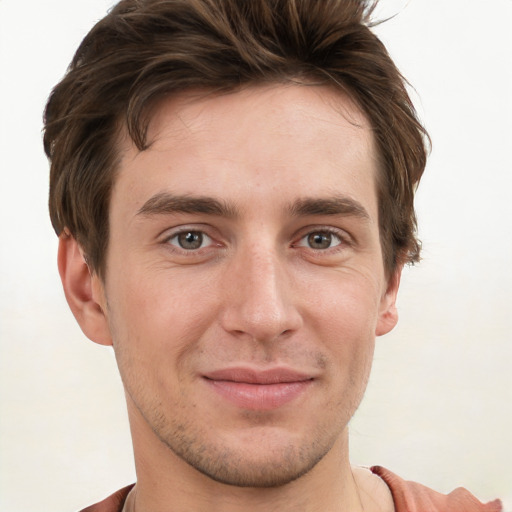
[439,404]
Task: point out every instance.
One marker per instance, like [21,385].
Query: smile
[258,390]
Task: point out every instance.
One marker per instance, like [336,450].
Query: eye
[190,240]
[320,240]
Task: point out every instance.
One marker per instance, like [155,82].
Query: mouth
[261,390]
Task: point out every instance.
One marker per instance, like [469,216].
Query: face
[244,283]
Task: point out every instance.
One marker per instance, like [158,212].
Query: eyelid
[169,232]
[308,230]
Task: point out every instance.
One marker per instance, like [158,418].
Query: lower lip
[261,397]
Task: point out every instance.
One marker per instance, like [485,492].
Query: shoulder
[114,503]
[414,497]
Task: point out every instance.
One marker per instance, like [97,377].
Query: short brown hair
[145,49]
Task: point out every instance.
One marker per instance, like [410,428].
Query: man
[232,185]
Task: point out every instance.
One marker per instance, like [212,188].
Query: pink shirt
[413,497]
[407,497]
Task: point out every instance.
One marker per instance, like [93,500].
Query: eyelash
[186,231]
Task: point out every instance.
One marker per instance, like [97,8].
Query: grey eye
[319,240]
[190,240]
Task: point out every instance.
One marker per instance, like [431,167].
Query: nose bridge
[259,303]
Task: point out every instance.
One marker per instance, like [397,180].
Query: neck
[166,483]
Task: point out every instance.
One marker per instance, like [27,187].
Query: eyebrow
[336,205]
[166,203]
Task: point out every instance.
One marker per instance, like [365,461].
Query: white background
[439,404]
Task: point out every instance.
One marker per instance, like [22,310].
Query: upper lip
[258,376]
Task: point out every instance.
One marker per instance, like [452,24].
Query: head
[234,181]
[143,51]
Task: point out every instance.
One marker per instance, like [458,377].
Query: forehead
[302,140]
[296,111]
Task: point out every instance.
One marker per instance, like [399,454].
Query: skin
[247,235]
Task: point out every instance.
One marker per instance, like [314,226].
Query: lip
[262,390]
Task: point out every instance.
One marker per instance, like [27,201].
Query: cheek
[346,308]
[155,320]
[345,320]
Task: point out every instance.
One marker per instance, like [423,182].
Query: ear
[83,290]
[388,314]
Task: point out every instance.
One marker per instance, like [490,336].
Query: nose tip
[260,302]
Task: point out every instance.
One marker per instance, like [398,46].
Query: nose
[259,298]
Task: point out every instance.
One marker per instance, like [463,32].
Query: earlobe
[388,314]
[83,290]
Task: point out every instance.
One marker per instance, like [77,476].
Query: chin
[245,471]
[261,460]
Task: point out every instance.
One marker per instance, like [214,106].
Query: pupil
[190,240]
[320,240]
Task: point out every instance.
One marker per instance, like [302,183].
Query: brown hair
[145,49]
